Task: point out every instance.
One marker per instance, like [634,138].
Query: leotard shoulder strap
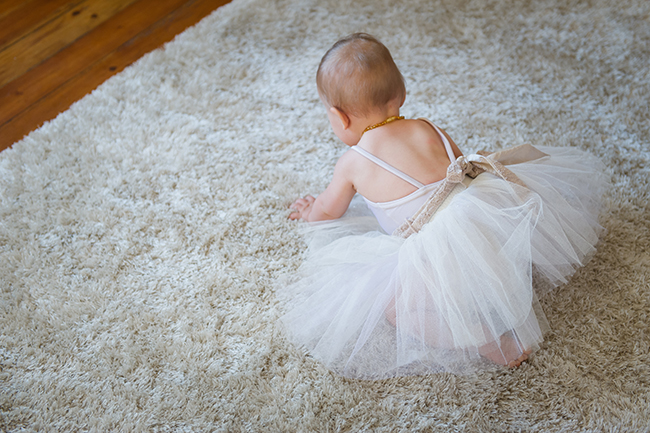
[401,174]
[443,137]
[383,164]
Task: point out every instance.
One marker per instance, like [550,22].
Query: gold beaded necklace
[390,119]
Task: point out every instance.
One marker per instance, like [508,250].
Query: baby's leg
[509,352]
[421,324]
[391,313]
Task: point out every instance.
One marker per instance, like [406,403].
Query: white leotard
[392,214]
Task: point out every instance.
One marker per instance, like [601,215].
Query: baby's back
[413,147]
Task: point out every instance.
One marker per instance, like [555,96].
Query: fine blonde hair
[358,74]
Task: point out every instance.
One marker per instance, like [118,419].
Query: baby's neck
[361,123]
[379,117]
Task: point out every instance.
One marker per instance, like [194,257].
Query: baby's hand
[301,208]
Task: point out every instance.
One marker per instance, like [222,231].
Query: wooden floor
[53,52]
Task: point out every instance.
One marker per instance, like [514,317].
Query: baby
[396,162]
[448,282]
[363,90]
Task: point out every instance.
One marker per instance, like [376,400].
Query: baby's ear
[397,101]
[343,118]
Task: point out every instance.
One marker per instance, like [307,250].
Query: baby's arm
[333,202]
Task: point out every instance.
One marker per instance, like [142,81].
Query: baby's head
[358,75]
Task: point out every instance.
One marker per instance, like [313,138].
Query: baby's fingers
[302,202]
[300,207]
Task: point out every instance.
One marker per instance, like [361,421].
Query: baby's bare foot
[509,352]
[391,312]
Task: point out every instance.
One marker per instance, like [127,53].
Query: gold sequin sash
[472,166]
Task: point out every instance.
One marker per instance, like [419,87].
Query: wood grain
[56,34]
[111,56]
[29,16]
[41,80]
[8,6]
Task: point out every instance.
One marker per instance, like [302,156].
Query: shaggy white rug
[143,232]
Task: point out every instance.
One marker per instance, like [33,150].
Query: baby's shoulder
[412,134]
[348,162]
[424,128]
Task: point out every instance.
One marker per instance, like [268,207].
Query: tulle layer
[461,294]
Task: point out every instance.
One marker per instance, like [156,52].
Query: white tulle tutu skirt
[370,305]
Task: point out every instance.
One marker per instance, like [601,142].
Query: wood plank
[151,38]
[29,88]
[8,6]
[29,16]
[50,38]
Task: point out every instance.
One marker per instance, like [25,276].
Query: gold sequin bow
[471,166]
